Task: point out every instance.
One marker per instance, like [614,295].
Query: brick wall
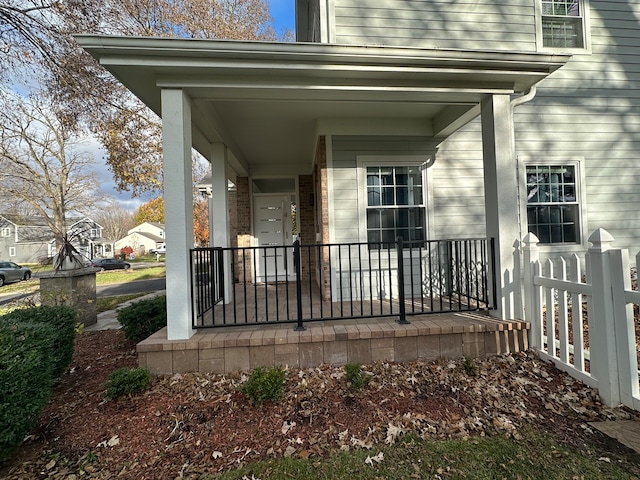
[322,214]
[306,221]
[243,238]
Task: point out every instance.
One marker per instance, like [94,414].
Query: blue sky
[283,13]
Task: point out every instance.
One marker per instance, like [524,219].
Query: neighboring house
[28,239]
[425,120]
[142,238]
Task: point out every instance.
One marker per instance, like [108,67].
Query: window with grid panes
[395,204]
[562,24]
[553,210]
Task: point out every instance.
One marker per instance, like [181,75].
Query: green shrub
[355,376]
[127,381]
[26,379]
[62,319]
[36,345]
[141,319]
[469,367]
[264,384]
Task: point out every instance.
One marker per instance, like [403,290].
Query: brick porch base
[338,342]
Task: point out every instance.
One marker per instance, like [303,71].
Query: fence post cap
[601,240]
[530,240]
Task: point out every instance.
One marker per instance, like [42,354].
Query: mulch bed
[191,424]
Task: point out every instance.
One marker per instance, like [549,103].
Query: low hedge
[143,318]
[36,344]
[62,319]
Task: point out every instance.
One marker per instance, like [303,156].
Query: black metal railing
[300,283]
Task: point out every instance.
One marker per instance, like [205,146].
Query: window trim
[12,251]
[364,161]
[586,31]
[5,232]
[578,164]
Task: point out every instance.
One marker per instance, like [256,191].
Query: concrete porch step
[362,341]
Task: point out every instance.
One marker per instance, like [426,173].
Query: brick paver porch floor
[428,337]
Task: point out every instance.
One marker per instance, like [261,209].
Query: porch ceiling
[268,102]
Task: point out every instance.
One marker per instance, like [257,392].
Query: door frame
[294,195]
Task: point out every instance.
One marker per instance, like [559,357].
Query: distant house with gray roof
[29,238]
[142,238]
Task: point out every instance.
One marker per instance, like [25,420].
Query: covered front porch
[318,125]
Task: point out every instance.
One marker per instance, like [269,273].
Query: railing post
[403,309]
[296,261]
[602,338]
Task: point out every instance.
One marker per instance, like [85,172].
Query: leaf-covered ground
[189,425]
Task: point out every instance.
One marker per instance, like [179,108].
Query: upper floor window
[563,24]
[553,203]
[5,232]
[395,204]
[93,233]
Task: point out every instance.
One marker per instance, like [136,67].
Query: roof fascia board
[274,52]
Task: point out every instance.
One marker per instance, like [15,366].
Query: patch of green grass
[110,303]
[536,456]
[21,287]
[120,276]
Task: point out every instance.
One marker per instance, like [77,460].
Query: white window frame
[578,164]
[12,251]
[5,232]
[586,31]
[422,161]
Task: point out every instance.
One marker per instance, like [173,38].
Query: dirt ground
[188,425]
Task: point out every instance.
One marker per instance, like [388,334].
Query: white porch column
[501,206]
[178,210]
[220,203]
[219,196]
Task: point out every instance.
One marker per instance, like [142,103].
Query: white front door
[272,228]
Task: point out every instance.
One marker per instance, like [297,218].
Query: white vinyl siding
[454,192]
[498,25]
[590,109]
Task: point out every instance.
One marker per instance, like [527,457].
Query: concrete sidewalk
[626,432]
[109,320]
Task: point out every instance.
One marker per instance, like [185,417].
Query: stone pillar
[74,288]
[178,210]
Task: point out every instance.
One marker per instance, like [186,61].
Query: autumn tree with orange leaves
[153,211]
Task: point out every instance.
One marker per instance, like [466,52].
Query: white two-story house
[391,119]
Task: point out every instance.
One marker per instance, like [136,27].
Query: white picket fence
[565,307]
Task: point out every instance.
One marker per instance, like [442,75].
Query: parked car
[162,249]
[12,272]
[109,264]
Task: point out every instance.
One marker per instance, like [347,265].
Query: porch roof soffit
[268,101]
